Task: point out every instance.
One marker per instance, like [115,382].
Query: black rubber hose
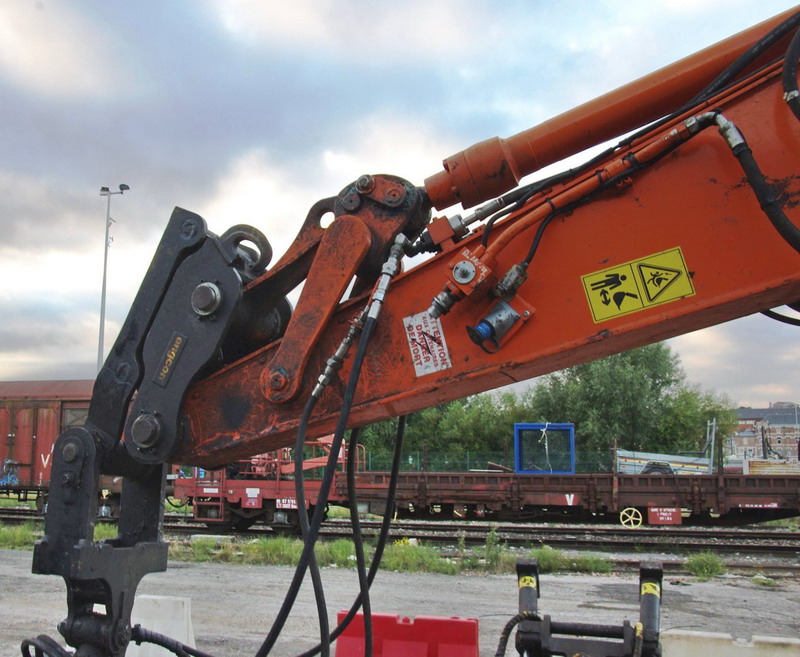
[790,75]
[382,536]
[300,496]
[510,625]
[325,486]
[44,646]
[747,57]
[141,635]
[363,583]
[766,198]
[793,321]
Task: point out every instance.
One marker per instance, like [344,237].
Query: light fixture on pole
[104,191]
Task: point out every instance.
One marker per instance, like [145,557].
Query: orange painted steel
[494,166]
[341,252]
[694,199]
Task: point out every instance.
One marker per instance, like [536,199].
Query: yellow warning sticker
[526,581]
[639,284]
[652,588]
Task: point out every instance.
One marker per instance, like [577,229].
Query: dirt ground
[233,606]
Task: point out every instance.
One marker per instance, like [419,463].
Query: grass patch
[403,555]
[790,524]
[13,502]
[19,537]
[406,557]
[705,565]
[766,582]
[340,553]
[554,561]
[105,530]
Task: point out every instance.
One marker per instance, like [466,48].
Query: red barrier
[400,636]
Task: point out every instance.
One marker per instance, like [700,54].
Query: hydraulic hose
[316,521]
[300,496]
[382,535]
[358,545]
[758,183]
[791,94]
[389,270]
[748,57]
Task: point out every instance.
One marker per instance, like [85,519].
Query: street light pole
[104,191]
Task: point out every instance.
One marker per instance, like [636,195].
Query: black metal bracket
[191,291]
[539,636]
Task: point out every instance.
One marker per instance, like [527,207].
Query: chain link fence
[421,461]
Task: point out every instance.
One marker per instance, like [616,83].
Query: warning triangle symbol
[657,279]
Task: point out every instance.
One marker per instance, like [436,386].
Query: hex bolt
[463,272]
[351,201]
[365,184]
[146,431]
[206,299]
[70,452]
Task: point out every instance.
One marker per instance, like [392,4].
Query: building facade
[767,433]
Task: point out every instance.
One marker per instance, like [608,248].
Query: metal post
[104,191]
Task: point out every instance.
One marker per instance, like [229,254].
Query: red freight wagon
[32,416]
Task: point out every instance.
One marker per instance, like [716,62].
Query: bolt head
[365,184]
[145,431]
[70,452]
[351,201]
[463,272]
[206,299]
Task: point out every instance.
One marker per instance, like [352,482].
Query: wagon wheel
[630,517]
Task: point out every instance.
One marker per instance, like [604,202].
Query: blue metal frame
[550,426]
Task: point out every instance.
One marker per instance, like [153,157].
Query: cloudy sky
[248,111]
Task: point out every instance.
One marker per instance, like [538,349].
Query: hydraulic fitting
[495,325]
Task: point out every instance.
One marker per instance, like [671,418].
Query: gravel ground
[232,606]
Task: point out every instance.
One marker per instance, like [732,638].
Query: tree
[637,400]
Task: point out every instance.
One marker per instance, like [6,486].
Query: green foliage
[202,549]
[104,531]
[13,502]
[492,550]
[766,582]
[790,524]
[19,537]
[638,399]
[406,557]
[554,561]
[705,565]
[339,553]
[403,555]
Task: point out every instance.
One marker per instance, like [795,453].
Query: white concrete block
[167,615]
[679,643]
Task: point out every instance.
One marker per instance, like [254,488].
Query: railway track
[597,537]
[666,539]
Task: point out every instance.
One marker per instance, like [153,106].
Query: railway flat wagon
[633,499]
[32,416]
